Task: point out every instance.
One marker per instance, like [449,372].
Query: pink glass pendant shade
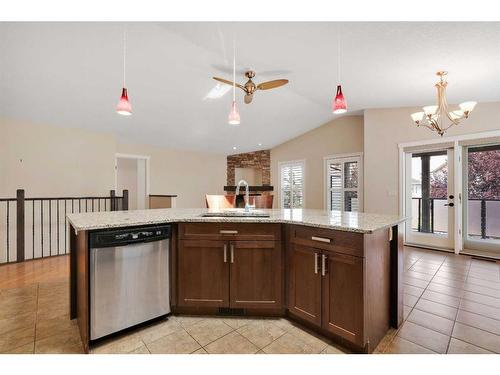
[339,104]
[234,116]
[124,108]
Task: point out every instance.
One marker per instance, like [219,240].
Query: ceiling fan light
[417,116]
[339,104]
[430,110]
[124,108]
[467,106]
[234,116]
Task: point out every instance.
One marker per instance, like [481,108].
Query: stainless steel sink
[235,212]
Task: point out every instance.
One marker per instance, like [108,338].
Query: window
[292,176]
[343,183]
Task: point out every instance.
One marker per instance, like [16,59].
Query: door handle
[450,204]
[316,263]
[232,252]
[228,232]
[323,264]
[320,239]
[225,253]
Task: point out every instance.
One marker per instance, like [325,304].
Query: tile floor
[452,305]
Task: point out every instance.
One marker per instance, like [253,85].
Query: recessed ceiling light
[234,147]
[260,144]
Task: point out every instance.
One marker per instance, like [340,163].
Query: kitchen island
[338,273]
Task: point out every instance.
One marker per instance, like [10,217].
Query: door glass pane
[351,175]
[335,172]
[429,192]
[483,193]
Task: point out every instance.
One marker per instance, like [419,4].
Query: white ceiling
[70,74]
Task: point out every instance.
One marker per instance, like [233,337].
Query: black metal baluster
[50,227]
[92,204]
[79,205]
[105,204]
[98,204]
[8,231]
[86,207]
[58,224]
[41,222]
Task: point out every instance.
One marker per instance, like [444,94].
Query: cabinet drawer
[333,240]
[230,231]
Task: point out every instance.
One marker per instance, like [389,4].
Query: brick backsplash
[257,159]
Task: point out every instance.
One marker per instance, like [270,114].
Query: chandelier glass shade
[438,117]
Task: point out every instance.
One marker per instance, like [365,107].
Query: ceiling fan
[250,87]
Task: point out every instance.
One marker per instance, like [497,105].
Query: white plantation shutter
[343,183]
[292,185]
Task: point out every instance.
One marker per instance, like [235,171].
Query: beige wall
[344,135]
[384,129]
[189,174]
[51,161]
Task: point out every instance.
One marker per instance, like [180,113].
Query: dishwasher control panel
[122,237]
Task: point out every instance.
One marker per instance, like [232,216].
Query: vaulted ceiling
[70,74]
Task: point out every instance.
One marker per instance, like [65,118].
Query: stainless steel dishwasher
[129,278]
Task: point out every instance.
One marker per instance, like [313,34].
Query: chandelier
[438,118]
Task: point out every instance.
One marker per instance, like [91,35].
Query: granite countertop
[345,221]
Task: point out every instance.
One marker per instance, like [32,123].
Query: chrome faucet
[247,197]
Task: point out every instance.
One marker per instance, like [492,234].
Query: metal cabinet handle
[321,239]
[225,253]
[316,263]
[323,265]
[228,231]
[232,252]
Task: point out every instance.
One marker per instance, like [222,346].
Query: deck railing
[32,228]
[483,216]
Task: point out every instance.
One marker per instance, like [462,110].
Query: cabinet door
[256,274]
[304,283]
[203,273]
[343,295]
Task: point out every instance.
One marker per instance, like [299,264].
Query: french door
[481,197]
[430,198]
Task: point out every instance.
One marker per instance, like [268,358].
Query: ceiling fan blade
[248,98]
[230,83]
[272,84]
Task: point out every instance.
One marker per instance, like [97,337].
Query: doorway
[132,174]
[430,198]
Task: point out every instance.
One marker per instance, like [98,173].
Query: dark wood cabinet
[342,289]
[203,273]
[304,283]
[255,274]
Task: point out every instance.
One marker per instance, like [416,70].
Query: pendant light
[339,104]
[124,108]
[234,116]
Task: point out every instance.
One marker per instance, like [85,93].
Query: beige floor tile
[261,332]
[425,337]
[330,349]
[448,282]
[481,282]
[285,324]
[402,346]
[481,298]
[187,320]
[441,298]
[479,321]
[119,345]
[176,343]
[445,289]
[200,351]
[236,322]
[30,290]
[232,343]
[409,300]
[435,308]
[406,311]
[24,349]
[26,320]
[415,282]
[290,344]
[17,308]
[478,308]
[482,290]
[140,350]
[56,326]
[431,321]
[462,347]
[413,290]
[17,338]
[419,275]
[159,330]
[59,344]
[475,336]
[51,312]
[208,330]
